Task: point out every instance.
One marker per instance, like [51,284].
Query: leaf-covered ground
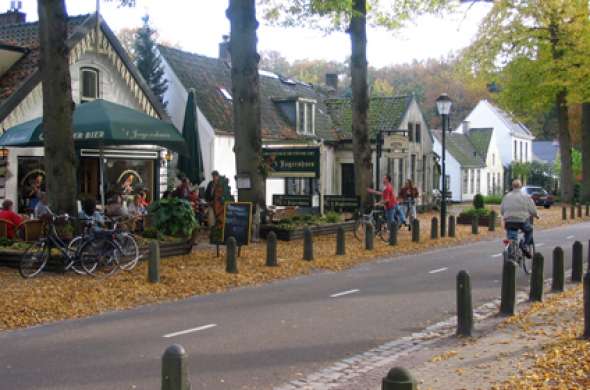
[52,297]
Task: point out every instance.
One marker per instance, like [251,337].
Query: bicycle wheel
[100,257]
[382,230]
[34,259]
[72,250]
[527,263]
[129,251]
[359,230]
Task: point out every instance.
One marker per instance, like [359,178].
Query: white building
[99,68]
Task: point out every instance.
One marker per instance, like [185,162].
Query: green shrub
[478,201]
[332,217]
[5,241]
[173,216]
[471,212]
[493,199]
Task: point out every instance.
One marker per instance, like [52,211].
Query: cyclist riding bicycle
[392,211]
[408,194]
[516,209]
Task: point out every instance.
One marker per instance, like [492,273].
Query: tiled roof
[461,148]
[515,127]
[208,76]
[545,151]
[25,35]
[385,114]
[480,139]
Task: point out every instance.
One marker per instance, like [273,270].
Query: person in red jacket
[7,214]
[388,199]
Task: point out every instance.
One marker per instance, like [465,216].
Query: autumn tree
[529,45]
[148,60]
[352,16]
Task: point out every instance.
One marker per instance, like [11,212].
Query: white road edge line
[435,271]
[539,244]
[570,237]
[497,255]
[209,326]
[344,293]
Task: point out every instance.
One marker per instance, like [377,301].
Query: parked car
[540,196]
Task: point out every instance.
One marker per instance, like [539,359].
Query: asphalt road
[260,337]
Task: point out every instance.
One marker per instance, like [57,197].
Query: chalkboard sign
[237,217]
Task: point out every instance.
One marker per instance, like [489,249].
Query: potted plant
[478,210]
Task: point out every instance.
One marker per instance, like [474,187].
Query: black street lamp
[443,105]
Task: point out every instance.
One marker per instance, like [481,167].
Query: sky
[198,25]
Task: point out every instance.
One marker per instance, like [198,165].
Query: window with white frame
[305,116]
[526,151]
[520,151]
[88,84]
[478,181]
[465,181]
[515,150]
[471,180]
[489,183]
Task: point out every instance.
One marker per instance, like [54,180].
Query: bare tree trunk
[246,100]
[586,152]
[361,146]
[565,148]
[60,156]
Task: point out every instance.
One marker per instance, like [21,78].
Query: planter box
[317,230]
[467,220]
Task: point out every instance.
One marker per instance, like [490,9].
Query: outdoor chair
[4,224]
[31,229]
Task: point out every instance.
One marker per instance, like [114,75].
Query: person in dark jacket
[210,197]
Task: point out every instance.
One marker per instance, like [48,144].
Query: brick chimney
[332,80]
[12,17]
[224,53]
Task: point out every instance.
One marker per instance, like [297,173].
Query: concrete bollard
[154,262]
[475,224]
[231,251]
[587,306]
[340,242]
[175,369]
[572,212]
[558,282]
[452,225]
[399,378]
[464,305]
[434,228]
[492,221]
[577,262]
[416,230]
[536,291]
[393,234]
[579,210]
[307,244]
[508,295]
[271,250]
[369,237]
[563,213]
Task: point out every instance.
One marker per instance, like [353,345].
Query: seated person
[136,208]
[9,215]
[90,215]
[114,207]
[42,207]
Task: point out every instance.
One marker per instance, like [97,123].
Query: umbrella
[101,123]
[192,163]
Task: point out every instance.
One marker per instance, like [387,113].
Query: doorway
[347,180]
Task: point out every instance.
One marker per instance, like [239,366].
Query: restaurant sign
[292,162]
[341,203]
[291,200]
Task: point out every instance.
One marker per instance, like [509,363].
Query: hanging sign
[292,162]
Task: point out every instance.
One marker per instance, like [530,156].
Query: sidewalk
[539,348]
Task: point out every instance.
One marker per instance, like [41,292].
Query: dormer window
[88,84]
[305,116]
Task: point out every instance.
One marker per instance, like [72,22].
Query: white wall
[274,186]
[224,159]
[453,169]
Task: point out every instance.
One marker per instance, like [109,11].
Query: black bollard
[536,291]
[175,369]
[588,266]
[340,242]
[231,250]
[452,225]
[475,224]
[464,306]
[416,230]
[393,234]
[434,228]
[508,295]
[154,262]
[307,244]
[563,213]
[577,262]
[369,237]
[271,250]
[587,305]
[399,378]
[572,212]
[558,282]
[579,210]
[587,210]
[492,221]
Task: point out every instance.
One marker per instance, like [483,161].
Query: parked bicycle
[376,218]
[514,249]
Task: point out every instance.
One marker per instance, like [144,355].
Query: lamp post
[443,105]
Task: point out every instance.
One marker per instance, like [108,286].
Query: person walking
[408,196]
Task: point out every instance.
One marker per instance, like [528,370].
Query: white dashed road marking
[570,237]
[497,255]
[539,245]
[344,293]
[192,330]
[435,271]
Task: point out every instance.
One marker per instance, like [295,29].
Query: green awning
[101,123]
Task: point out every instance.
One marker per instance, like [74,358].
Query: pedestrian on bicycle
[516,209]
[388,200]
[408,195]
